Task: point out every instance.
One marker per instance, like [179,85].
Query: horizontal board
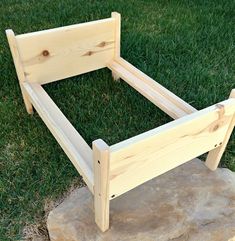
[69,139]
[143,157]
[60,53]
[153,91]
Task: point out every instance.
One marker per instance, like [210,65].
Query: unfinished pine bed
[109,171]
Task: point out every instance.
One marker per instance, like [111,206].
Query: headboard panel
[64,52]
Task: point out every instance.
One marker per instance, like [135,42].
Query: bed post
[117,50]
[214,156]
[101,183]
[19,67]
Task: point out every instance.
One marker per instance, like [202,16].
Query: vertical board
[101,183]
[19,67]
[117,51]
[60,53]
[141,158]
[214,156]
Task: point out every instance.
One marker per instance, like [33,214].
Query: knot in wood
[89,53]
[221,110]
[102,44]
[216,127]
[45,53]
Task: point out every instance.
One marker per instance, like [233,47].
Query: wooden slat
[214,156]
[19,67]
[117,50]
[117,47]
[160,96]
[101,185]
[60,53]
[71,142]
[157,87]
[143,157]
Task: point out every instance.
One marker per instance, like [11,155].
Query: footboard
[143,157]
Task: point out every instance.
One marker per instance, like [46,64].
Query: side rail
[143,157]
[168,102]
[66,135]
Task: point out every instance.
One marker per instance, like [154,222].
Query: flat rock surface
[187,203]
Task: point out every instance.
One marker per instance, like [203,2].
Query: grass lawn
[188,46]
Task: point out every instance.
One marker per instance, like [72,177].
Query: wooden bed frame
[109,171]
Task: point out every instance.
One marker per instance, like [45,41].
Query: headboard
[64,52]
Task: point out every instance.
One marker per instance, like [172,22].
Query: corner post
[117,50]
[101,183]
[214,156]
[19,68]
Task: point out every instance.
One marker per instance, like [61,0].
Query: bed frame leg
[101,183]
[19,68]
[214,156]
[117,18]
[115,76]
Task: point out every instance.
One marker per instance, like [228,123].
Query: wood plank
[101,188]
[157,94]
[66,135]
[214,156]
[117,50]
[143,157]
[60,53]
[19,67]
[158,87]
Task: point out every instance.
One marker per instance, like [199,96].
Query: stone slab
[188,203]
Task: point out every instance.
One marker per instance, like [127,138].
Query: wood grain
[157,94]
[117,50]
[101,188]
[19,67]
[60,53]
[66,135]
[143,157]
[214,156]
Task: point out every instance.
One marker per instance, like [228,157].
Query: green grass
[188,46]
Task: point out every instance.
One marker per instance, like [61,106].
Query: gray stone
[187,203]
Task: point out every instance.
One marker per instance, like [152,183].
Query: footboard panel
[143,157]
